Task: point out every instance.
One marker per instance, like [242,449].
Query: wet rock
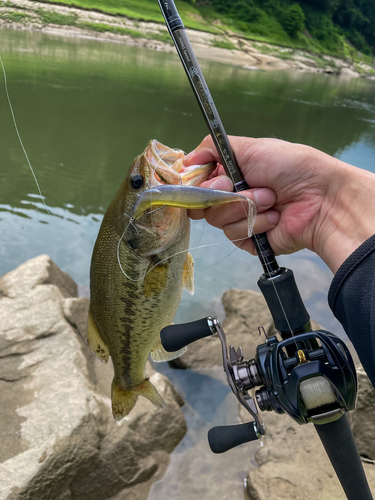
[59,439]
[363,419]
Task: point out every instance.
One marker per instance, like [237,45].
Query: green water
[86,108]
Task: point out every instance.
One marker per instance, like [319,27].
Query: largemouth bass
[139,269]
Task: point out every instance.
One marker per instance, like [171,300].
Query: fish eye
[137,181]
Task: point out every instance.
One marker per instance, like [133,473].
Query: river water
[84,110]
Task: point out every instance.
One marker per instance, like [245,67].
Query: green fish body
[138,271]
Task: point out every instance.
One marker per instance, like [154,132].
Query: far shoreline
[228,48]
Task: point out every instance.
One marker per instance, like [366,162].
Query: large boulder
[38,271]
[59,439]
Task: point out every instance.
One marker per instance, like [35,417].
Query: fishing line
[170,256]
[201,235]
[25,153]
[19,137]
[119,243]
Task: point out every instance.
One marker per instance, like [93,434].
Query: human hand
[313,200]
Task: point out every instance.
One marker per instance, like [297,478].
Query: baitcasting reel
[311,377]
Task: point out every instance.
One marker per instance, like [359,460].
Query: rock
[252,68]
[363,419]
[76,312]
[346,72]
[293,464]
[38,271]
[292,459]
[59,439]
[245,311]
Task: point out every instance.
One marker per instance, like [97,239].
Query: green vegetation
[293,20]
[118,30]
[146,10]
[342,28]
[15,17]
[48,17]
[328,22]
[224,44]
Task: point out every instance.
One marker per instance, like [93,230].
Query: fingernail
[264,198]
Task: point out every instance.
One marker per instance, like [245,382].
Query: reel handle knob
[175,337]
[226,437]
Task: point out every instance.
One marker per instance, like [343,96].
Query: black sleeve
[352,300]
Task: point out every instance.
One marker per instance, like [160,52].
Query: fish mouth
[164,223]
[168,168]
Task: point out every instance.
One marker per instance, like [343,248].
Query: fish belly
[128,321]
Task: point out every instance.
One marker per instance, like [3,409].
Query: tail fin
[123,400]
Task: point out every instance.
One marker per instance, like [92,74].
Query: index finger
[206,151]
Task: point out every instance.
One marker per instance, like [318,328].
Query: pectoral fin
[156,278]
[159,354]
[188,274]
[95,341]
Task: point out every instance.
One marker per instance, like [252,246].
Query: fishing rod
[310,375]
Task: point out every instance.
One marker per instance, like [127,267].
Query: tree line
[324,20]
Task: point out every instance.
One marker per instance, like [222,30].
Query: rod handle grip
[175,337]
[226,437]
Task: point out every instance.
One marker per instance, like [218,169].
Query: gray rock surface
[59,439]
[38,271]
[245,311]
[293,464]
[363,419]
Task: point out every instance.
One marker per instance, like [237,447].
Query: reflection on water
[85,109]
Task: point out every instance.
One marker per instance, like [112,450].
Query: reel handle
[225,437]
[175,337]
